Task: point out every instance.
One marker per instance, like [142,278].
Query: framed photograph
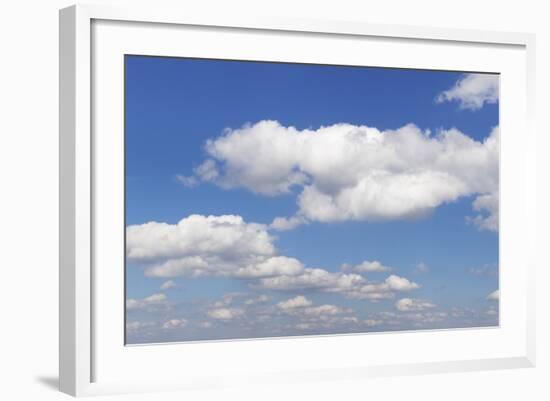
[277,200]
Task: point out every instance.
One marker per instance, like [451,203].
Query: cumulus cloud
[287,223]
[384,290]
[472,91]
[227,246]
[191,265]
[225,313]
[349,285]
[412,305]
[147,302]
[293,303]
[195,236]
[315,316]
[488,207]
[348,172]
[397,283]
[494,296]
[168,284]
[366,267]
[207,245]
[174,324]
[274,266]
[312,278]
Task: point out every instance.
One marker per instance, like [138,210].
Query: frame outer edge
[531,180]
[74,201]
[176,15]
[75,207]
[67,109]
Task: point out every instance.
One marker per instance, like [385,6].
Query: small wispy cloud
[413,305]
[487,206]
[489,270]
[168,284]
[421,268]
[225,313]
[144,303]
[366,267]
[494,296]
[287,223]
[174,324]
[297,302]
[187,181]
[472,91]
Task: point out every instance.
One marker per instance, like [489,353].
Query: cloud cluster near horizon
[228,246]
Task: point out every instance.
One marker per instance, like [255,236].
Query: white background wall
[29,186]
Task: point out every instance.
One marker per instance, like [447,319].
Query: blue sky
[263,141]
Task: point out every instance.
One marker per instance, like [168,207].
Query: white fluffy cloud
[274,266]
[383,290]
[168,284]
[302,307]
[488,207]
[397,283]
[472,91]
[207,245]
[413,305]
[297,302]
[144,303]
[227,246]
[287,223]
[174,324]
[367,267]
[196,236]
[494,296]
[312,278]
[349,285]
[225,313]
[349,172]
[191,265]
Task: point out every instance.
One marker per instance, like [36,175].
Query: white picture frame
[86,351]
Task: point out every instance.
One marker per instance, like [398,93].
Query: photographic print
[271,199]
